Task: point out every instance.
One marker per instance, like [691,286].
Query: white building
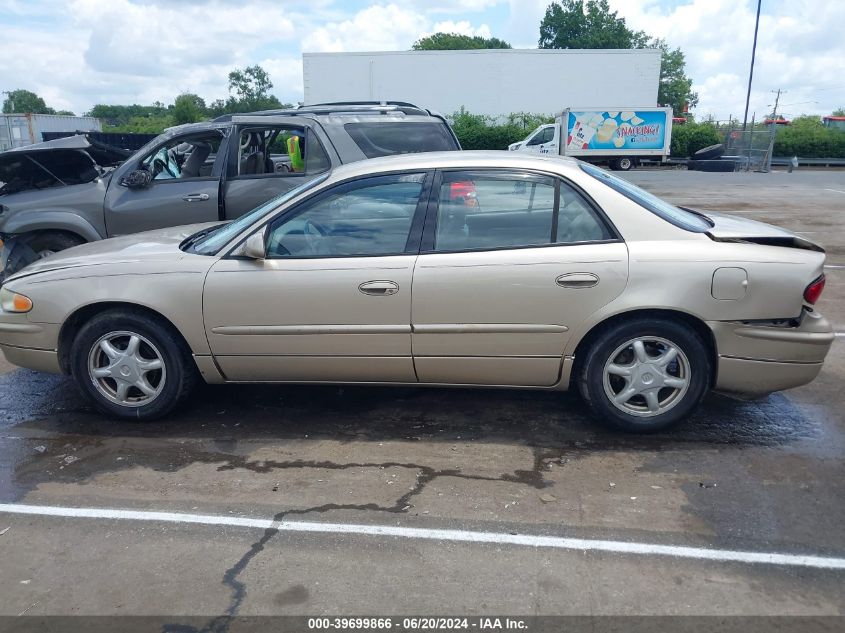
[494,82]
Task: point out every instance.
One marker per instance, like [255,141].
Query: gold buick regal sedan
[490,269]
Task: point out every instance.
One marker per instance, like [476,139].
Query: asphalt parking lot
[325,500]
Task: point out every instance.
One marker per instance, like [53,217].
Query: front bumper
[37,359]
[28,344]
[757,359]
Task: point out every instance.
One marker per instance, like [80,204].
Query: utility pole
[751,72]
[777,94]
[767,161]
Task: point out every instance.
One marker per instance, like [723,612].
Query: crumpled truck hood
[161,245]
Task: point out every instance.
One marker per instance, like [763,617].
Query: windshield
[681,218]
[209,241]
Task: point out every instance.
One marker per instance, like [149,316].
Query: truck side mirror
[138,179]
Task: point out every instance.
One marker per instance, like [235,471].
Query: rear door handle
[379,288]
[577,280]
[196,197]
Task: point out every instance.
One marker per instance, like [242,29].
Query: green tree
[252,90]
[587,24]
[839,112]
[216,108]
[142,125]
[690,137]
[807,137]
[591,24]
[477,131]
[25,101]
[188,108]
[116,115]
[675,87]
[456,42]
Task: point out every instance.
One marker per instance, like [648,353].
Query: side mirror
[138,179]
[254,247]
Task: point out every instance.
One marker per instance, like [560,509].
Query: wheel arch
[50,221]
[70,232]
[694,322]
[82,315]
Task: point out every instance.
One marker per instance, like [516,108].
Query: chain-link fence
[751,148]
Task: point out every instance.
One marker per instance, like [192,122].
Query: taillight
[814,290]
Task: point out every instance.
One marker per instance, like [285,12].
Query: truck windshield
[210,241]
[681,218]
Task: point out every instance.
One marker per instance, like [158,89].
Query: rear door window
[280,151]
[482,210]
[387,138]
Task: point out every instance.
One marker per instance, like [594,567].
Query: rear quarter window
[388,138]
[681,218]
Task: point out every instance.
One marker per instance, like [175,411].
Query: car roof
[339,108]
[498,159]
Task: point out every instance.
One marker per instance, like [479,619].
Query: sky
[76,53]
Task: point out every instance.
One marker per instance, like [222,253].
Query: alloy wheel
[126,368]
[646,376]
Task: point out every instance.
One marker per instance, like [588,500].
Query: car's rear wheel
[131,365]
[645,375]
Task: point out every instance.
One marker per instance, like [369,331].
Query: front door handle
[196,197]
[379,288]
[577,280]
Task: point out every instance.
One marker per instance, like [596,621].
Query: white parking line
[465,536]
[834,190]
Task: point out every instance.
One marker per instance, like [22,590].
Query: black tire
[39,245]
[179,373]
[605,348]
[717,165]
[622,164]
[710,152]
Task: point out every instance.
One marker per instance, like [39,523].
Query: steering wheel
[314,234]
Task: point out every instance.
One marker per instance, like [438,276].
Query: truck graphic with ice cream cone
[619,137]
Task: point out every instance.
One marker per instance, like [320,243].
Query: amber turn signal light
[14,302]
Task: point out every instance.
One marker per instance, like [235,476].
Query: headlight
[14,302]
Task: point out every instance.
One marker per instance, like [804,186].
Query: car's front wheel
[131,365]
[645,375]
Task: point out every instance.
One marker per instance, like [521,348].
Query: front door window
[367,217]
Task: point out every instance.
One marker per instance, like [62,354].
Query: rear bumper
[759,359]
[758,377]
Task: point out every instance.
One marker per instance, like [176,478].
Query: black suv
[199,172]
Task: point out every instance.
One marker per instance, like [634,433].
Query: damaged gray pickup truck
[62,193]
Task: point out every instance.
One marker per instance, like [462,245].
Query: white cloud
[122,51]
[376,28]
[799,49]
[464,27]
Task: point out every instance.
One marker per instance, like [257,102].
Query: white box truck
[494,82]
[619,137]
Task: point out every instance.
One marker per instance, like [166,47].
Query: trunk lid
[731,228]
